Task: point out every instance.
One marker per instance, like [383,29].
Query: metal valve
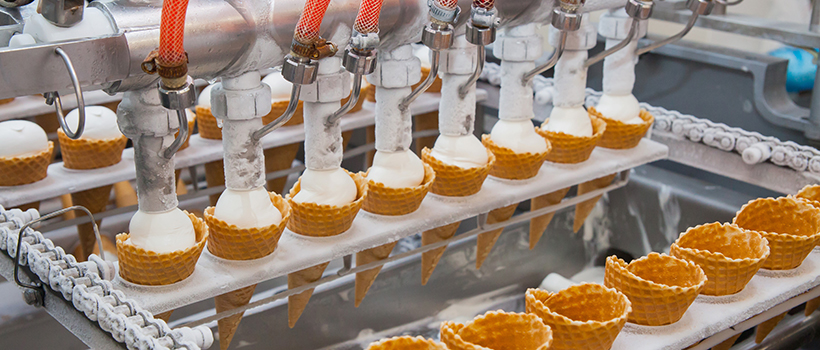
[63,13]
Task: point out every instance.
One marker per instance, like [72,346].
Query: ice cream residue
[204,99]
[464,151]
[624,108]
[331,187]
[163,232]
[397,169]
[518,135]
[100,123]
[570,120]
[20,138]
[247,209]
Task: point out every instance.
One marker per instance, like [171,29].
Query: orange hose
[172,32]
[367,21]
[448,4]
[485,4]
[307,30]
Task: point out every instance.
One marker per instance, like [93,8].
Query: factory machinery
[712,148]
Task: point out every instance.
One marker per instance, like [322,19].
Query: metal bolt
[33,297]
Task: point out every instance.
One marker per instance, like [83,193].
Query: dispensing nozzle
[638,10]
[565,18]
[698,8]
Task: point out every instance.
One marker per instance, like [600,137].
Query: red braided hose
[485,4]
[172,32]
[367,21]
[448,4]
[307,30]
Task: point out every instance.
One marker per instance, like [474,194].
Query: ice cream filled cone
[729,255]
[430,259]
[767,326]
[147,267]
[207,125]
[84,153]
[298,302]
[229,301]
[233,243]
[583,209]
[15,171]
[454,181]
[620,135]
[365,279]
[660,287]
[582,317]
[406,343]
[570,149]
[791,226]
[498,330]
[514,166]
[486,240]
[322,220]
[539,224]
[391,201]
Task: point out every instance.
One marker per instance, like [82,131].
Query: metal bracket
[53,98]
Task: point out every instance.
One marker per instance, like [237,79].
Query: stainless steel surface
[182,135]
[566,21]
[479,35]
[435,61]
[355,94]
[639,9]
[178,99]
[299,71]
[62,13]
[633,28]
[794,332]
[437,37]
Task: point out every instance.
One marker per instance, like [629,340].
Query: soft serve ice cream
[247,209]
[21,138]
[331,187]
[163,232]
[624,108]
[280,89]
[463,151]
[399,169]
[570,120]
[519,136]
[100,123]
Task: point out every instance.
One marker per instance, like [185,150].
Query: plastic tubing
[172,32]
[485,4]
[451,4]
[307,29]
[367,21]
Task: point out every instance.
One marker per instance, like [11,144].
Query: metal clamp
[53,98]
[178,100]
[698,8]
[299,71]
[360,63]
[441,14]
[34,293]
[480,37]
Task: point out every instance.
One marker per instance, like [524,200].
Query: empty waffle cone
[430,259]
[486,240]
[730,256]
[514,166]
[539,224]
[726,344]
[435,87]
[207,125]
[791,226]
[322,220]
[385,200]
[811,306]
[406,343]
[583,209]
[569,149]
[15,171]
[215,176]
[298,302]
[146,267]
[498,330]
[454,181]
[810,194]
[582,317]
[620,135]
[90,154]
[230,242]
[660,287]
[766,327]
[95,200]
[365,279]
[229,301]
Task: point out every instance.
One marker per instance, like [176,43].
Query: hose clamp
[482,17]
[482,36]
[441,14]
[179,98]
[359,62]
[437,37]
[566,21]
[300,71]
[701,7]
[639,9]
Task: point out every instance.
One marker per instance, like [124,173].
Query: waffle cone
[620,135]
[430,259]
[233,243]
[792,228]
[165,316]
[229,301]
[321,220]
[365,279]
[90,154]
[278,109]
[6,100]
[583,209]
[206,124]
[810,194]
[146,267]
[726,344]
[582,317]
[15,171]
[514,166]
[124,194]
[406,343]
[660,287]
[811,306]
[486,240]
[730,256]
[569,149]
[95,200]
[298,302]
[215,176]
[369,92]
[539,224]
[498,330]
[191,123]
[422,122]
[435,87]
[766,327]
[385,200]
[454,181]
[346,135]
[279,158]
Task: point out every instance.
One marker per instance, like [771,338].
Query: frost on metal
[91,294]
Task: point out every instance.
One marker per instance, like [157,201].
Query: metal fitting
[180,98]
[480,36]
[364,42]
[639,9]
[62,13]
[241,104]
[14,3]
[443,15]
[566,21]
[299,70]
[359,62]
[437,37]
[701,7]
[482,17]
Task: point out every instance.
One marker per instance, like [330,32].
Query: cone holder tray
[212,275]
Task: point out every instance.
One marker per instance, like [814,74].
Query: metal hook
[282,119]
[354,98]
[41,219]
[431,78]
[633,28]
[53,98]
[181,137]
